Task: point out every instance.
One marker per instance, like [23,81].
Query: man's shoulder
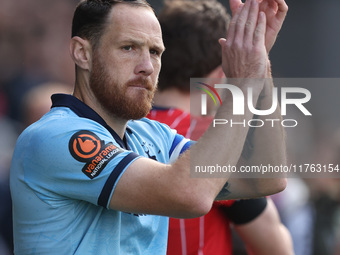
[146,124]
[152,134]
[58,124]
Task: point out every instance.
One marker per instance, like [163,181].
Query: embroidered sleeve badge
[85,146]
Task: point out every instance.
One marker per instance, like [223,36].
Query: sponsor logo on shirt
[85,146]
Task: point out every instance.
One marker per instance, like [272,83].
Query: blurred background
[35,63]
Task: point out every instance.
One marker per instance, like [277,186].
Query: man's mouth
[141,84]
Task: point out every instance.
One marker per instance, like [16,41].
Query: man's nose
[145,65]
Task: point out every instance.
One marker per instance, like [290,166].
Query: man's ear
[81,52]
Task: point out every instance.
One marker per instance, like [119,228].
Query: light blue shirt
[64,170]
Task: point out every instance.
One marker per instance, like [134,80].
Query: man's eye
[127,48]
[154,52]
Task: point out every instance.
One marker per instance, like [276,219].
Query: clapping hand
[275,11]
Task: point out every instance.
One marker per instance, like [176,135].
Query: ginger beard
[114,97]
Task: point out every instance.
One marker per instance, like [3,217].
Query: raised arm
[266,235]
[149,187]
[265,145]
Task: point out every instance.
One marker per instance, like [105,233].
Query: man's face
[126,64]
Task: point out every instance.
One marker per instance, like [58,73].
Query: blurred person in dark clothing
[8,134]
[35,54]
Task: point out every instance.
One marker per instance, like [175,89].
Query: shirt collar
[84,111]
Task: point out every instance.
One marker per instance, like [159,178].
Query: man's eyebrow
[134,41]
[159,48]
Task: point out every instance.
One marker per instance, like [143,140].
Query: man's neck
[117,124]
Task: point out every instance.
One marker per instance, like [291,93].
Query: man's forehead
[137,17]
[134,22]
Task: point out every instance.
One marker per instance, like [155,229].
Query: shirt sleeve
[170,141]
[75,163]
[179,145]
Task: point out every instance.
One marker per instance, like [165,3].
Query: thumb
[222,41]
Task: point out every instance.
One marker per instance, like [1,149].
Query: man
[90,178]
[204,22]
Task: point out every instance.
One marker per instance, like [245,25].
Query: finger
[241,21]
[270,8]
[260,31]
[222,42]
[251,22]
[273,5]
[232,26]
[234,5]
[282,9]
